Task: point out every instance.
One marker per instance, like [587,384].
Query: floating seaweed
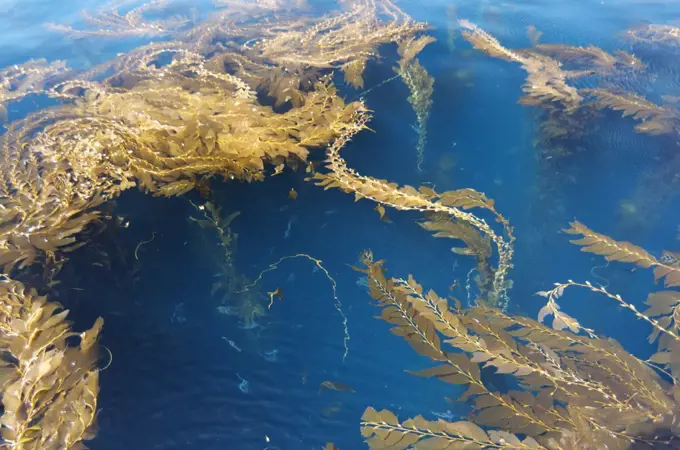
[576,391]
[654,119]
[654,34]
[110,23]
[452,204]
[50,385]
[249,91]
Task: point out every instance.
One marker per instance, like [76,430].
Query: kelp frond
[654,119]
[476,244]
[420,84]
[654,33]
[546,81]
[382,429]
[588,59]
[110,23]
[663,312]
[31,77]
[50,387]
[592,242]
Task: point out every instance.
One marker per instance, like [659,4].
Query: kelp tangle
[568,387]
[572,390]
[247,89]
[49,385]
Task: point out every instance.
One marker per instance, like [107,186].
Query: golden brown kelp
[32,77]
[589,59]
[454,204]
[169,127]
[654,119]
[664,306]
[546,65]
[49,386]
[476,244]
[546,80]
[576,391]
[162,117]
[284,58]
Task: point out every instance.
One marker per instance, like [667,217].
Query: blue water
[174,384]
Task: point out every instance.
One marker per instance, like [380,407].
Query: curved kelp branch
[50,387]
[532,416]
[663,312]
[382,429]
[425,199]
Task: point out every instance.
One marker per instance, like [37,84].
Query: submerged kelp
[420,85]
[571,85]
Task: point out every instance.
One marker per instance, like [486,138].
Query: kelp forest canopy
[249,90]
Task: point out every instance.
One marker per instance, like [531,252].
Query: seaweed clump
[171,126]
[573,391]
[50,386]
[163,118]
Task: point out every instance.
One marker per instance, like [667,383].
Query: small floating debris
[335,386]
[227,310]
[244,386]
[292,194]
[271,356]
[232,344]
[178,315]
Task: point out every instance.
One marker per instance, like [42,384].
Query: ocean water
[185,376]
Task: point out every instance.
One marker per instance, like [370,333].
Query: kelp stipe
[437,207]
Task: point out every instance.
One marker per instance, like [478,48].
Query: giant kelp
[248,90]
[439,207]
[162,117]
[420,84]
[111,23]
[50,386]
[573,391]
